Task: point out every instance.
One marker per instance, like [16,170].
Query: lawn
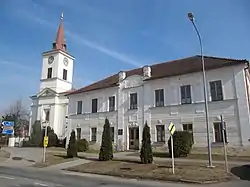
[200,156]
[157,171]
[53,159]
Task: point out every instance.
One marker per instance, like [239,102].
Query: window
[159,97]
[78,133]
[112,133]
[133,101]
[47,113]
[188,127]
[218,130]
[120,131]
[111,103]
[93,134]
[160,130]
[64,74]
[49,74]
[186,94]
[216,91]
[79,107]
[94,105]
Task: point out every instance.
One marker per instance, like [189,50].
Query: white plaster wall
[58,110]
[234,107]
[56,82]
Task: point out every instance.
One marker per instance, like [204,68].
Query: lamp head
[191,16]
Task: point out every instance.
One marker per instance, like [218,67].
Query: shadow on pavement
[243,172]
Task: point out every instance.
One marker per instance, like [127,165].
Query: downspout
[246,69]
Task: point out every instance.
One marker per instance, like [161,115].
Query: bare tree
[20,115]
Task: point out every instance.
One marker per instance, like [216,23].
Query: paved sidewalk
[66,165]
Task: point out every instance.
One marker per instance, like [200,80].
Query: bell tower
[58,63]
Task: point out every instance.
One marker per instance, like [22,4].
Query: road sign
[8,127]
[8,131]
[171,128]
[45,141]
[8,123]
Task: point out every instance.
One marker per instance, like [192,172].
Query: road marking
[40,184]
[6,177]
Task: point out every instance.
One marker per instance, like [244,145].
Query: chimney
[122,76]
[146,71]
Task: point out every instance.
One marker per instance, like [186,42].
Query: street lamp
[191,18]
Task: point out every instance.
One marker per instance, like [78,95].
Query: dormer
[122,76]
[146,71]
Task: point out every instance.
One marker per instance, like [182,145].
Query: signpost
[45,142]
[171,129]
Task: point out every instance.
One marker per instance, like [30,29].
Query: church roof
[165,69]
[60,42]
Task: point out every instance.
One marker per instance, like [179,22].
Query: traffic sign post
[45,142]
[171,129]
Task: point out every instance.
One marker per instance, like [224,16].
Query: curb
[138,178]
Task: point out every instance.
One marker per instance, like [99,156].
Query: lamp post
[191,18]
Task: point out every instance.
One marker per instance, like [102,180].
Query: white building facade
[156,94]
[164,93]
[50,105]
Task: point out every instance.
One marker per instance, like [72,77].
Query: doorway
[134,138]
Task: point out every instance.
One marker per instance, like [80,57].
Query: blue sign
[8,131]
[8,127]
[8,123]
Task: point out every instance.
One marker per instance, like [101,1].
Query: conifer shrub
[106,149]
[72,148]
[146,148]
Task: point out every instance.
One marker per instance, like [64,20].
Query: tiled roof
[165,69]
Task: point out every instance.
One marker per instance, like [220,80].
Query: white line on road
[40,184]
[6,177]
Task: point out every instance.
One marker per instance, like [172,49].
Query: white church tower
[50,105]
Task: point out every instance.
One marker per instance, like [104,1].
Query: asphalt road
[32,177]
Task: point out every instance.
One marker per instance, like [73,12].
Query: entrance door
[134,138]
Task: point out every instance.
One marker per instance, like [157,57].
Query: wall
[56,82]
[234,107]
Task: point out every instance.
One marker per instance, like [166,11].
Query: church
[50,105]
[157,94]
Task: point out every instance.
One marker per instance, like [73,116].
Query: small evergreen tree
[36,135]
[146,148]
[72,149]
[106,150]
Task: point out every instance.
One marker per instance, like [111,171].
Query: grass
[53,159]
[199,156]
[157,171]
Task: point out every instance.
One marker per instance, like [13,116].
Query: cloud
[110,52]
[83,41]
[17,65]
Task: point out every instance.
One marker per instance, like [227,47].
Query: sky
[109,36]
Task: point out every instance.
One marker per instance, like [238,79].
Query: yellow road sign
[45,141]
[171,128]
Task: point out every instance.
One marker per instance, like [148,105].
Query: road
[32,177]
